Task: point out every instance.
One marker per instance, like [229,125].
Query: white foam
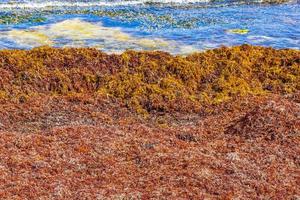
[37,4]
[47,4]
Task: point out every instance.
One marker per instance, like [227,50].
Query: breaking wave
[24,4]
[101,3]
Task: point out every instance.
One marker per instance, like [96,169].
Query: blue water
[174,26]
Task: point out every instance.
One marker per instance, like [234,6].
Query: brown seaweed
[220,124]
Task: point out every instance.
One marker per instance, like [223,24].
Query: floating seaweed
[238,31]
[13,18]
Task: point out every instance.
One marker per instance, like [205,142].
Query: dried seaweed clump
[161,82]
[274,120]
[150,81]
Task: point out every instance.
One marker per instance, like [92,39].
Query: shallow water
[177,26]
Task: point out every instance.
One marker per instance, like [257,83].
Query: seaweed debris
[150,81]
[274,120]
[221,124]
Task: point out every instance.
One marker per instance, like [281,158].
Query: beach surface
[150,99]
[78,123]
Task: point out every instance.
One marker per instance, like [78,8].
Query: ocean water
[176,26]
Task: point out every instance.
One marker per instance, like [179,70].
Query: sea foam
[46,4]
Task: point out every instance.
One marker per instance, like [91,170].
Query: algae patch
[77,32]
[18,19]
[29,38]
[238,31]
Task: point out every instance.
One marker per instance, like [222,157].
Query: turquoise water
[176,26]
